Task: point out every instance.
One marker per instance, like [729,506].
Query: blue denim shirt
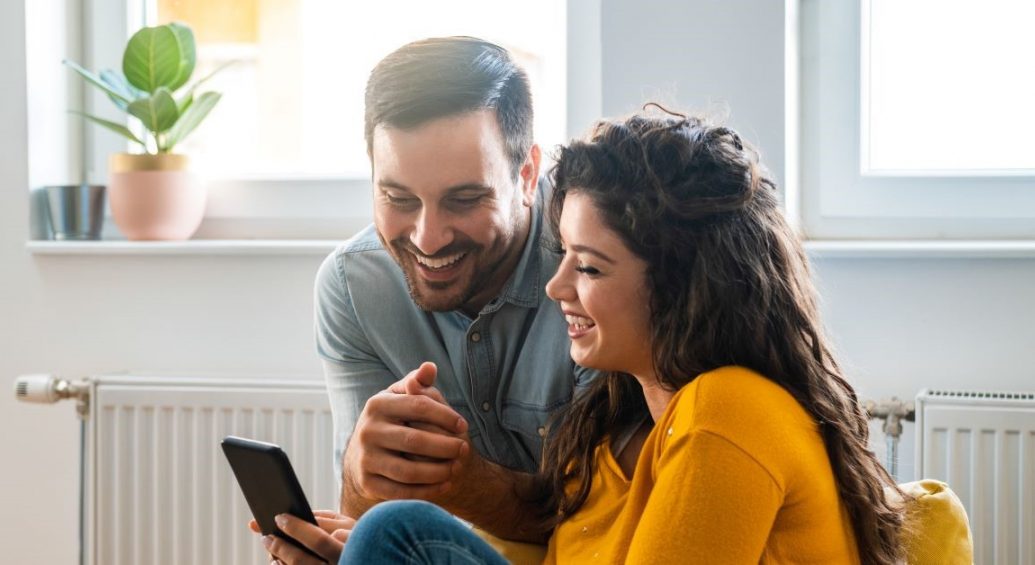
[505,371]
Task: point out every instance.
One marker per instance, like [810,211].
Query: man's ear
[530,175]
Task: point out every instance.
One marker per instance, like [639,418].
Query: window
[284,149]
[915,119]
[293,102]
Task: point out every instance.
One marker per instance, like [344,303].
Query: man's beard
[434,296]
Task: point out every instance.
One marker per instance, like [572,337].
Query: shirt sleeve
[353,371]
[711,501]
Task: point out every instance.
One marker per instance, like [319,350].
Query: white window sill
[913,249]
[816,249]
[191,247]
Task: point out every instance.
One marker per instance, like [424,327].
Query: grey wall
[899,324]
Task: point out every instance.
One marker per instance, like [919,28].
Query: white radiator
[157,486]
[983,445]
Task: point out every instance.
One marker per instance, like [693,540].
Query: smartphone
[269,484]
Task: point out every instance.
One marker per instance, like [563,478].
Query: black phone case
[269,484]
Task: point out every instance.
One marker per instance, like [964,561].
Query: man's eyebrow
[591,251]
[389,183]
[468,186]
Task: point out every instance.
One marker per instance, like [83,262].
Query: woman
[725,431]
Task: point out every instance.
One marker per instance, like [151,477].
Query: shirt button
[541,431]
[486,407]
[476,337]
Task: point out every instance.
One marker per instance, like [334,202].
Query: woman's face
[602,288]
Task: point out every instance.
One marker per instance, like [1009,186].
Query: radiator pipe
[892,412]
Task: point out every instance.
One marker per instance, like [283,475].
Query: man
[452,272]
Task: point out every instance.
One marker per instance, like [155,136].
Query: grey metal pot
[76,211]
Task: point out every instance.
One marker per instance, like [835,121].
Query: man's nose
[431,232]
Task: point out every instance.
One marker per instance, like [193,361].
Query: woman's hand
[326,539]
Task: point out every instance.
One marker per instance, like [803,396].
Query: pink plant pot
[154,197]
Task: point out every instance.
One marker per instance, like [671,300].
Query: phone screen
[269,484]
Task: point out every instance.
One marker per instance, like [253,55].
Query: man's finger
[407,408]
[387,489]
[413,441]
[426,374]
[417,381]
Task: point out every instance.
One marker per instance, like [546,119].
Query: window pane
[948,86]
[293,103]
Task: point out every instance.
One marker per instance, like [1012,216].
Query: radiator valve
[893,412]
[47,389]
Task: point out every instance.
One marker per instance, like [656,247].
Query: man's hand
[404,446]
[326,540]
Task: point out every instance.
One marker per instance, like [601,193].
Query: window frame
[300,208]
[836,199]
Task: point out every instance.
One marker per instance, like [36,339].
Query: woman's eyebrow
[591,251]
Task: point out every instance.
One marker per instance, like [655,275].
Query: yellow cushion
[516,552]
[937,530]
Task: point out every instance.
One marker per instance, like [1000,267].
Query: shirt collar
[525,286]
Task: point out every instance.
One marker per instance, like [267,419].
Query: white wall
[82,315]
[899,324]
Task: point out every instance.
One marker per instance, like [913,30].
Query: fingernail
[267,541]
[461,424]
[444,487]
[280,520]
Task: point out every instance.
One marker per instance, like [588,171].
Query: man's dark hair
[445,76]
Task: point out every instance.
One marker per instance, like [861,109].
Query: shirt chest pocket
[528,428]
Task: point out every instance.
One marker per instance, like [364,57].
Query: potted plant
[153,194]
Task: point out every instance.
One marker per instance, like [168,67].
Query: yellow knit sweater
[735,471]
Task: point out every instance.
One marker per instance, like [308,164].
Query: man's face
[448,209]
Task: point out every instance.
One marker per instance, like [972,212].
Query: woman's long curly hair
[729,285]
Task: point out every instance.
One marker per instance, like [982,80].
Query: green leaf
[113,126]
[183,103]
[187,54]
[98,82]
[152,58]
[192,118]
[119,83]
[158,111]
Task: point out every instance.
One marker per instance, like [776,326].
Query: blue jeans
[414,531]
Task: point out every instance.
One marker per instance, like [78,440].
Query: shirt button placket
[476,337]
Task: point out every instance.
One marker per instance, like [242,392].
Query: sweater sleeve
[711,501]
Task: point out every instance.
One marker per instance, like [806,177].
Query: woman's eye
[586,269]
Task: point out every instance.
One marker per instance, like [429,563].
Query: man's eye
[399,200]
[467,201]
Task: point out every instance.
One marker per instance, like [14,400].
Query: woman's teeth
[579,322]
[439,263]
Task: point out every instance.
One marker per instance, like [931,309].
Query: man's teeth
[579,322]
[438,263]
